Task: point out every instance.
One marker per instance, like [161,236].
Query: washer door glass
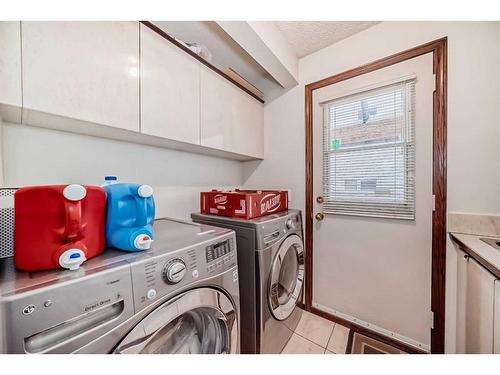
[198,331]
[201,321]
[287,276]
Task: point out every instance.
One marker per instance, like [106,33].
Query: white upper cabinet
[83,70]
[79,76]
[170,90]
[10,70]
[231,120]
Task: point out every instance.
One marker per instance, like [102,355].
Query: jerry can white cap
[143,242]
[72,259]
[145,191]
[74,192]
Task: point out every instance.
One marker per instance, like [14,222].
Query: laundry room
[294,187]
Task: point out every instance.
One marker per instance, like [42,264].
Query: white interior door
[376,271]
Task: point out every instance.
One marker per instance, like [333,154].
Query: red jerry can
[58,226]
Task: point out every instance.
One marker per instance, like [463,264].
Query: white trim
[384,332]
[374,86]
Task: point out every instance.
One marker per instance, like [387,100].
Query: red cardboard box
[244,204]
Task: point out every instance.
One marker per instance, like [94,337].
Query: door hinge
[432,319]
[434,82]
[433,203]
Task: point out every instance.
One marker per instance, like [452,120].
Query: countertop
[486,255]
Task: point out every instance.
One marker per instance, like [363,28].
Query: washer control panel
[163,273]
[219,255]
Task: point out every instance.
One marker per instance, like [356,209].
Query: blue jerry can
[130,216]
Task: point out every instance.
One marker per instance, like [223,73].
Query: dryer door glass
[200,321]
[287,276]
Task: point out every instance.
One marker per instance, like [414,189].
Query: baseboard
[368,332]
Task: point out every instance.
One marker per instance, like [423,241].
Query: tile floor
[316,335]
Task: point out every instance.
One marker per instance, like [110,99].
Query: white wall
[283,164]
[473,114]
[36,156]
[1,153]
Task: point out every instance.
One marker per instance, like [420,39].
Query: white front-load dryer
[271,269]
[281,279]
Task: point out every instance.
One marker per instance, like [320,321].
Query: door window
[369,153]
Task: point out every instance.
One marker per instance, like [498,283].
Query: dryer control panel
[163,274]
[273,231]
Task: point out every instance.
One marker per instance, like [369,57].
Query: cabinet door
[83,70]
[479,311]
[170,90]
[10,70]
[231,120]
[496,338]
[462,260]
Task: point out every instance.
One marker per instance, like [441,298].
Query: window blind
[369,153]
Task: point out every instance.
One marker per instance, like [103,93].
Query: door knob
[319,216]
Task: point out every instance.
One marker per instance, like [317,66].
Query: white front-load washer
[181,296]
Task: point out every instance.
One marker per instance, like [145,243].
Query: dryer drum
[287,276]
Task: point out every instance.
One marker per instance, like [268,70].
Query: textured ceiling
[307,37]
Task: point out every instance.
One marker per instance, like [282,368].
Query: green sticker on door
[335,144]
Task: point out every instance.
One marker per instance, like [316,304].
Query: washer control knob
[174,271]
[289,224]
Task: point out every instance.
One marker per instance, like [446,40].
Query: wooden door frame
[439,50]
